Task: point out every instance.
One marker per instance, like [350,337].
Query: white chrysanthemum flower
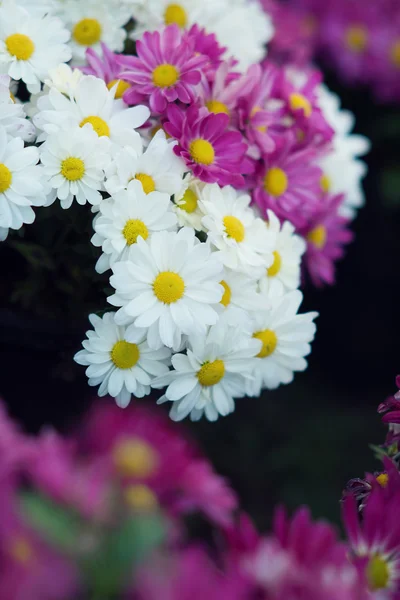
[3,233]
[38,8]
[120,360]
[31,46]
[169,285]
[284,273]
[157,168]
[12,116]
[128,215]
[92,103]
[21,185]
[285,337]
[64,79]
[73,164]
[186,203]
[242,240]
[212,374]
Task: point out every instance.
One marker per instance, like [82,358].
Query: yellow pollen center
[135,458]
[21,550]
[269,342]
[202,152]
[234,228]
[395,54]
[121,87]
[211,373]
[378,573]
[217,107]
[356,38]
[168,287]
[226,298]
[20,46]
[165,75]
[140,498]
[133,229]
[125,355]
[276,182]
[87,32]
[298,101]
[188,201]
[98,124]
[325,183]
[72,168]
[383,479]
[276,265]
[317,236]
[5,178]
[147,182]
[175,14]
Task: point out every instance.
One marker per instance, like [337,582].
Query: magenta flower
[214,153]
[166,68]
[390,409]
[205,44]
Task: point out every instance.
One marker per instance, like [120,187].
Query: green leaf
[35,254]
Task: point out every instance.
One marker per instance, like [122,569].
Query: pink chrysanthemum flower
[106,67]
[215,154]
[326,236]
[390,409]
[205,44]
[166,68]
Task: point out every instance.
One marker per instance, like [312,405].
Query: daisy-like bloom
[106,67]
[242,240]
[12,116]
[187,205]
[391,415]
[168,285]
[120,360]
[326,236]
[212,374]
[21,183]
[73,164]
[214,154]
[285,336]
[64,79]
[157,168]
[128,215]
[31,46]
[288,249]
[206,44]
[165,69]
[91,103]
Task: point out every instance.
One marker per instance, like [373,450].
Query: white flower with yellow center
[12,116]
[212,374]
[284,273]
[120,360]
[157,168]
[169,285]
[21,182]
[73,162]
[285,337]
[186,203]
[92,102]
[128,215]
[242,240]
[31,46]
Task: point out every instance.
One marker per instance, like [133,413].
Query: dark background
[299,444]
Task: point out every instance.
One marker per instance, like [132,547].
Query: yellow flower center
[98,124]
[276,265]
[269,342]
[175,13]
[125,355]
[234,228]
[20,46]
[168,287]
[147,182]
[165,75]
[317,236]
[121,88]
[72,168]
[226,298]
[202,152]
[21,550]
[211,373]
[87,32]
[217,107]
[135,458]
[276,182]
[298,101]
[140,498]
[378,573]
[188,201]
[325,183]
[5,178]
[395,54]
[133,228]
[356,38]
[383,479]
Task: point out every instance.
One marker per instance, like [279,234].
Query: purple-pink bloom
[205,44]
